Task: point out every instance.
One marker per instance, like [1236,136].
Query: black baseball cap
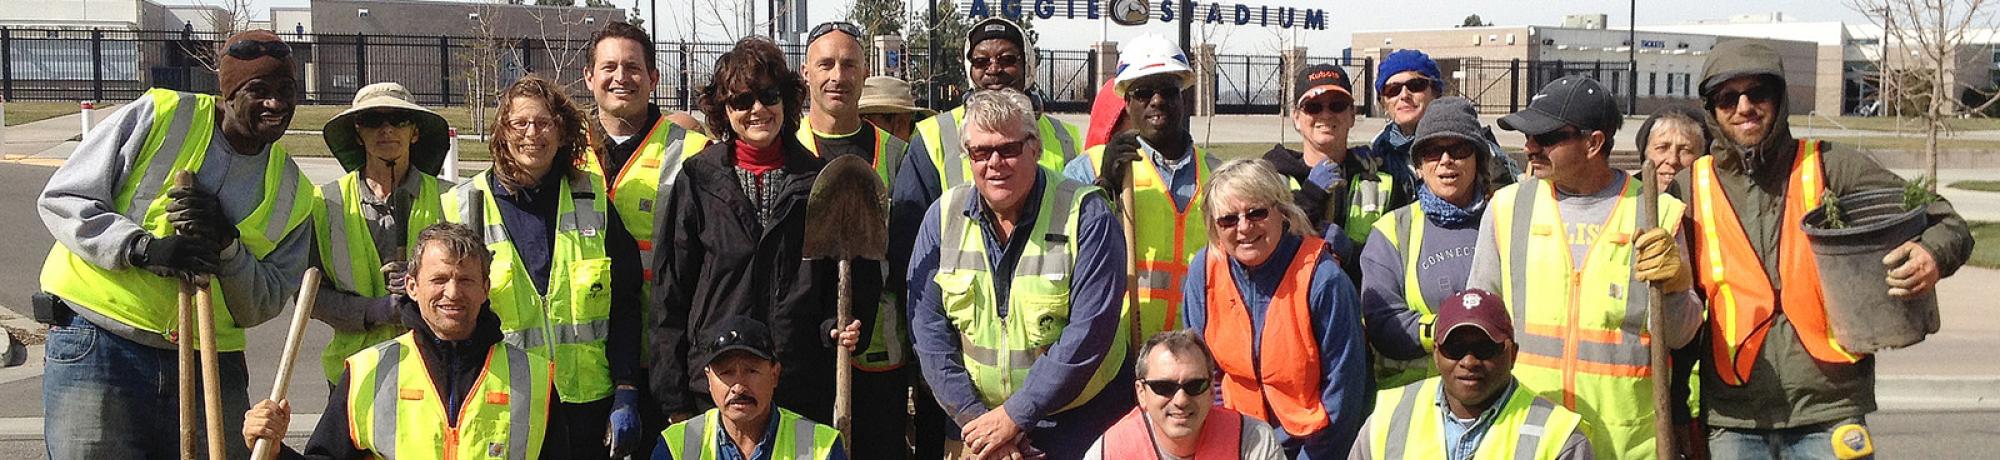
[1318,79]
[735,333]
[1573,100]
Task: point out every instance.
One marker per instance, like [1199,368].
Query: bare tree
[231,17]
[490,54]
[566,55]
[1932,39]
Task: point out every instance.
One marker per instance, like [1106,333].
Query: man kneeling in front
[1177,418]
[745,423]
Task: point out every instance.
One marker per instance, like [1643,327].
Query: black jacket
[717,260]
[453,366]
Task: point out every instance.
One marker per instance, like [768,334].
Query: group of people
[629,282]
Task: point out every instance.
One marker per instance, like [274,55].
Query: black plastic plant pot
[1862,314]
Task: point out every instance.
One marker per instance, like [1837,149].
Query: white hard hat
[1149,55]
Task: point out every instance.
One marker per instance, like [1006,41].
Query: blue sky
[1343,17]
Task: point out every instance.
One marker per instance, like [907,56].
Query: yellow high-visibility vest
[347,250]
[942,141]
[797,437]
[183,125]
[395,412]
[1406,424]
[1166,236]
[1404,230]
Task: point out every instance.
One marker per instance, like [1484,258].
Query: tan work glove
[1658,260]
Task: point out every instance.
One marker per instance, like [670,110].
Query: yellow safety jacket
[998,351]
[797,437]
[570,323]
[942,141]
[347,250]
[183,125]
[1581,330]
[1166,236]
[641,188]
[1404,230]
[1526,428]
[888,346]
[505,414]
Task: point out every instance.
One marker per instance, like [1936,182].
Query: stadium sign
[1165,11]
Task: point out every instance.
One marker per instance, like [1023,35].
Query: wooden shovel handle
[303,307]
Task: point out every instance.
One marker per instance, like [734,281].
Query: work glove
[383,311]
[1659,261]
[199,214]
[1119,154]
[178,255]
[396,275]
[622,434]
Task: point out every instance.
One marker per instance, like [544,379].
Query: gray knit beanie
[1450,117]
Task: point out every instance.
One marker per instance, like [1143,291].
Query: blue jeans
[1805,442]
[104,397]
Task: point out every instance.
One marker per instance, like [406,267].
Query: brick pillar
[1107,64]
[889,57]
[1204,80]
[1292,60]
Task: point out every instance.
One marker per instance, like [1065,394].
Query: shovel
[1663,417]
[196,306]
[302,309]
[846,218]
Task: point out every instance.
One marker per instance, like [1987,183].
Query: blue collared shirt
[725,448]
[1461,437]
[1180,174]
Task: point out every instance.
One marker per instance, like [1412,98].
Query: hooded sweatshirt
[1787,388]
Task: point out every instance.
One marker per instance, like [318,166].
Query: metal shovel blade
[847,213]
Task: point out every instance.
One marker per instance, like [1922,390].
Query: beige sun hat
[886,94]
[426,155]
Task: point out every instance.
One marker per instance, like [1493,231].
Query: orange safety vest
[1286,374]
[1741,297]
[1221,437]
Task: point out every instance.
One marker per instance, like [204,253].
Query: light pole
[1632,60]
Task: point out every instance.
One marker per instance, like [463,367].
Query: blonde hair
[1254,181]
[1002,110]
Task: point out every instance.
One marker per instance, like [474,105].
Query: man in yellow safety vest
[740,360]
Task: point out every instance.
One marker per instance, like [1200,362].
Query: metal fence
[1506,86]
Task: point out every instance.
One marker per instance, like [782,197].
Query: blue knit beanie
[1405,61]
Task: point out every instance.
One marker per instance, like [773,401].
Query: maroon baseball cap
[1473,308]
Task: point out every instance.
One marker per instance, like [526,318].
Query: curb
[1937,392]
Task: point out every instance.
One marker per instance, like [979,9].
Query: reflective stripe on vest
[1526,428]
[643,186]
[1220,438]
[1166,237]
[570,323]
[1585,342]
[347,249]
[1283,373]
[1367,200]
[940,134]
[999,350]
[183,125]
[504,415]
[1404,230]
[1731,271]
[797,438]
[887,347]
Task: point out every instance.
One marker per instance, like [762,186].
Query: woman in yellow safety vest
[566,273]
[392,149]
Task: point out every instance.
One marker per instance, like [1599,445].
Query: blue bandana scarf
[1448,215]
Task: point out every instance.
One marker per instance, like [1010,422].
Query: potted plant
[1850,235]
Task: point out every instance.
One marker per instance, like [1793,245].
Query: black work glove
[177,255]
[396,275]
[199,214]
[1119,154]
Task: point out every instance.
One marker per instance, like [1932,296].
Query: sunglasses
[1415,85]
[1004,60]
[377,119]
[1166,388]
[830,27]
[743,101]
[1008,150]
[1252,216]
[1315,107]
[1482,349]
[247,50]
[1555,137]
[1457,151]
[1760,94]
[1146,94]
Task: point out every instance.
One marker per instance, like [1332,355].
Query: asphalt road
[26,242]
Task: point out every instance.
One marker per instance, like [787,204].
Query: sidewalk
[47,141]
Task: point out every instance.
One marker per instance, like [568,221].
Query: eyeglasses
[1759,94]
[745,100]
[1146,94]
[1457,151]
[1004,60]
[1482,349]
[835,26]
[1252,216]
[1315,107]
[1555,137]
[1166,388]
[523,124]
[1414,84]
[1007,150]
[377,119]
[247,50]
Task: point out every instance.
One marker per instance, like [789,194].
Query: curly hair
[569,120]
[755,62]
